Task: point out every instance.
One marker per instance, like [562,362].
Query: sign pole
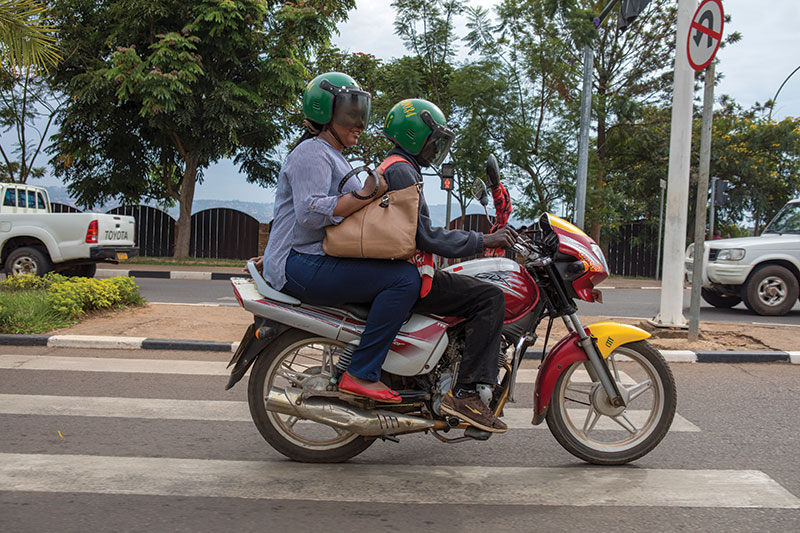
[583,139]
[702,202]
[671,311]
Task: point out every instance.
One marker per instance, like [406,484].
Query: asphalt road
[638,303]
[94,441]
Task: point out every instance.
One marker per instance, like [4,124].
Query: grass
[186,261]
[29,312]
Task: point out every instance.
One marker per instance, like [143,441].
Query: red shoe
[348,385]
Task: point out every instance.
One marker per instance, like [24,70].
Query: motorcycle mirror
[479,192]
[493,171]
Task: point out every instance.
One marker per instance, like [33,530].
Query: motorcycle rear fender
[608,335]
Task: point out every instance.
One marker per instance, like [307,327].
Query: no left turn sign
[705,33]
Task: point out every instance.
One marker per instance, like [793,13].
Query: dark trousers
[391,287]
[483,305]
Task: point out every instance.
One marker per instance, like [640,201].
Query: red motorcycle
[607,395]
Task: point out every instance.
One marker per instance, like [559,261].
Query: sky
[753,70]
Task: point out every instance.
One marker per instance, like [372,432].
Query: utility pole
[671,311]
[702,199]
[586,119]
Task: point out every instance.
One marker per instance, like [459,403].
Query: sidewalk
[202,272]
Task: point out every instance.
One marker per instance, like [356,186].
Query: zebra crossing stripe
[225,411]
[160,366]
[282,480]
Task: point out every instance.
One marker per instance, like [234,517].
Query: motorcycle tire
[277,431]
[598,443]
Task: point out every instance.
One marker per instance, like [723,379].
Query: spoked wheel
[302,360]
[585,423]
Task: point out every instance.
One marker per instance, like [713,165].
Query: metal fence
[56,207]
[223,233]
[635,250]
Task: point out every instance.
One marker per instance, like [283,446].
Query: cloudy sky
[754,68]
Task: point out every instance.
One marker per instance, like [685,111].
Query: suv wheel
[28,260]
[771,290]
[717,299]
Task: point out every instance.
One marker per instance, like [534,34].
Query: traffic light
[629,10]
[448,177]
[721,188]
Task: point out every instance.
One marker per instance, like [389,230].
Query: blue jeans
[392,287]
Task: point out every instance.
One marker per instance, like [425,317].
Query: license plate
[121,256]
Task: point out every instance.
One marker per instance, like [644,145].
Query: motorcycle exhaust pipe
[332,413]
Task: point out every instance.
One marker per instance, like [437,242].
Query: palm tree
[26,38]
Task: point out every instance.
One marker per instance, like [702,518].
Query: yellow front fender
[610,335]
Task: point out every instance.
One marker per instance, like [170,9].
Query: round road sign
[705,33]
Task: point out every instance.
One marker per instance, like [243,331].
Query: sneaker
[474,412]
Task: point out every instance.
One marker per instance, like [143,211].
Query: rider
[421,137]
[336,112]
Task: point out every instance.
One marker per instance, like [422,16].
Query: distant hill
[261,211]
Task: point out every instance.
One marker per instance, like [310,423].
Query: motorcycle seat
[265,290]
[360,311]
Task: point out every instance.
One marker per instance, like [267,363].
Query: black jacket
[440,241]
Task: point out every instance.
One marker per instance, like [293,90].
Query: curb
[222,276]
[145,343]
[174,274]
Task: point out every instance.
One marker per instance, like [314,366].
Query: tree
[26,38]
[515,96]
[26,103]
[160,90]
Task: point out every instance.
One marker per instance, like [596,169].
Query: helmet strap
[332,131]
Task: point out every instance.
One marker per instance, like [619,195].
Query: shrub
[74,296]
[27,282]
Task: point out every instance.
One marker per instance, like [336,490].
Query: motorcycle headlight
[597,251]
[730,254]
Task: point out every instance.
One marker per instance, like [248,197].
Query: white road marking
[105,364]
[520,418]
[283,480]
[794,357]
[222,411]
[528,375]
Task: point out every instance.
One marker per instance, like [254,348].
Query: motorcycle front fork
[596,367]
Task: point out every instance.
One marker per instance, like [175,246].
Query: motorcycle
[607,396]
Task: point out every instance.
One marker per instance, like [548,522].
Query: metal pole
[583,139]
[702,200]
[712,208]
[447,213]
[660,229]
[769,117]
[671,311]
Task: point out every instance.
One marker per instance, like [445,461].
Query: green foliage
[32,304]
[26,36]
[160,90]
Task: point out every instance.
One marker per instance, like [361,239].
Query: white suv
[763,271]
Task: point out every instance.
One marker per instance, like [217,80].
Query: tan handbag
[386,228]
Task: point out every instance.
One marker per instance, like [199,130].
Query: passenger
[418,129]
[336,112]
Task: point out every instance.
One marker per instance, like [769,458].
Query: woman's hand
[369,184]
[259,261]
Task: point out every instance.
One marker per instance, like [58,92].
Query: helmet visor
[351,105]
[437,146]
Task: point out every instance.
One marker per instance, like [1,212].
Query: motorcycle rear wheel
[606,435]
[294,357]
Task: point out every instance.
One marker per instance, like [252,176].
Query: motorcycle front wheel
[302,360]
[585,423]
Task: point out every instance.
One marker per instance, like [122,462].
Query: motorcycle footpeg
[412,395]
[477,434]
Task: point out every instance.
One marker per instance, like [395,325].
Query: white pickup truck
[763,272]
[34,240]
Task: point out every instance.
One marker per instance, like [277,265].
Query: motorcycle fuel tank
[520,290]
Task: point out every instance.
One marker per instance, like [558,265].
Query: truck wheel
[28,260]
[771,290]
[717,299]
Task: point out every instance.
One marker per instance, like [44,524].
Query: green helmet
[419,128]
[336,96]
